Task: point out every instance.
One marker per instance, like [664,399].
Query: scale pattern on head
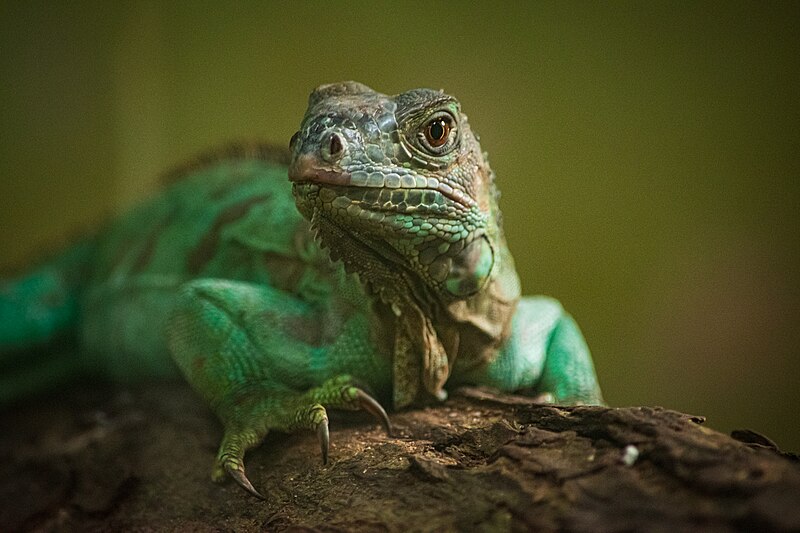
[401,178]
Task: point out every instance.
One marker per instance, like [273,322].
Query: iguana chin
[220,272]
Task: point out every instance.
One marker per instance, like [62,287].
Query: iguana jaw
[308,168]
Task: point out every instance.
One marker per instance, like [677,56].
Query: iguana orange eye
[437,131]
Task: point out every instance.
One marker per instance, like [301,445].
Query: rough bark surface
[97,459]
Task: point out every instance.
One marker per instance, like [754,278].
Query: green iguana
[220,273]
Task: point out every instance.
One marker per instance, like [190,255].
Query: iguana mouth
[380,200]
[308,169]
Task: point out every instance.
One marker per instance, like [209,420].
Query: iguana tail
[39,313]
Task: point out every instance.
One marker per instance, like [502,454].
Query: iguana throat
[397,187]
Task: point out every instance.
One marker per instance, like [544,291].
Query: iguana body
[221,274]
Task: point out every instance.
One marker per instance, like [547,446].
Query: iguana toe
[545,398]
[230,459]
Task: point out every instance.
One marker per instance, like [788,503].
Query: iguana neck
[428,325]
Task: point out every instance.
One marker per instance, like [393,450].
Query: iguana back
[106,299]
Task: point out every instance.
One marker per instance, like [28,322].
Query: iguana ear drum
[471,268]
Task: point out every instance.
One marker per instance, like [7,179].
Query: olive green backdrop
[648,153]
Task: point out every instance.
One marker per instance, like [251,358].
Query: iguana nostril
[335,148]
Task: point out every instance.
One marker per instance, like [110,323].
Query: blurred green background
[648,153]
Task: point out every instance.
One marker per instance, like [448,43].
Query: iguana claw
[369,404]
[324,439]
[240,478]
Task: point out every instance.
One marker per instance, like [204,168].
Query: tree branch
[90,459]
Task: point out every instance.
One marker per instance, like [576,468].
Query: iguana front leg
[234,343]
[568,372]
[546,353]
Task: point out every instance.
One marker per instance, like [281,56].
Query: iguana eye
[439,134]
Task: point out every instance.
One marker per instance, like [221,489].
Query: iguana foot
[251,414]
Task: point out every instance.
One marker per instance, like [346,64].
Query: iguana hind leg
[233,342]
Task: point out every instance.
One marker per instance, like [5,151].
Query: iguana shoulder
[225,214]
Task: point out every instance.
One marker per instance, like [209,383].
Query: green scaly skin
[225,274]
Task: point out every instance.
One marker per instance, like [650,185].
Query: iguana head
[399,181]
